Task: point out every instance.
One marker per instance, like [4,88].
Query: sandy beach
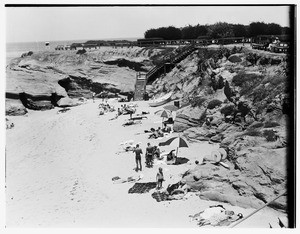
[59,170]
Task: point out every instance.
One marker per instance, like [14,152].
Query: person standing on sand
[93,95]
[138,158]
[149,155]
[159,178]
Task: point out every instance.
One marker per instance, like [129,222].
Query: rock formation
[246,94]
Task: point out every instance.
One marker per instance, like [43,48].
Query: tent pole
[178,144]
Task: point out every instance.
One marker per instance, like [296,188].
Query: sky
[27,24]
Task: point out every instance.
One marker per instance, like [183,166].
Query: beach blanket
[180,161]
[160,196]
[142,187]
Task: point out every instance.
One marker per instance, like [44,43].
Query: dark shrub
[271,124]
[197,101]
[214,103]
[83,51]
[264,61]
[238,79]
[275,61]
[270,135]
[252,133]
[257,125]
[278,80]
[247,81]
[252,58]
[241,78]
[227,110]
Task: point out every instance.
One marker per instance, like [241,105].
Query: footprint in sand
[73,191]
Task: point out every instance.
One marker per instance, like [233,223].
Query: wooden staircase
[140,86]
[167,63]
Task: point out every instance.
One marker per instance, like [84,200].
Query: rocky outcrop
[256,176]
[126,63]
[248,120]
[67,102]
[189,117]
[14,107]
[36,102]
[68,74]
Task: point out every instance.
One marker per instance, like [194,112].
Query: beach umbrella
[164,114]
[179,141]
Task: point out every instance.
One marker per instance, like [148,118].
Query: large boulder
[255,177]
[189,117]
[199,133]
[67,102]
[14,107]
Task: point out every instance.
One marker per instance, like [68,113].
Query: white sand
[60,169]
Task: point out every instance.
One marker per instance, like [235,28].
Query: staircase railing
[168,59]
[173,59]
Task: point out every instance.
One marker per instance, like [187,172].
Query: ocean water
[16,49]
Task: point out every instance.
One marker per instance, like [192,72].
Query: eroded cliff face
[40,79]
[236,98]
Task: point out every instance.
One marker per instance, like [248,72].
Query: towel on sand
[160,196]
[142,187]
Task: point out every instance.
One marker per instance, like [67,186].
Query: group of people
[151,153]
[126,109]
[159,132]
[105,107]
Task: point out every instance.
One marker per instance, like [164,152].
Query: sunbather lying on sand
[138,117]
[63,110]
[114,117]
[156,133]
[131,122]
